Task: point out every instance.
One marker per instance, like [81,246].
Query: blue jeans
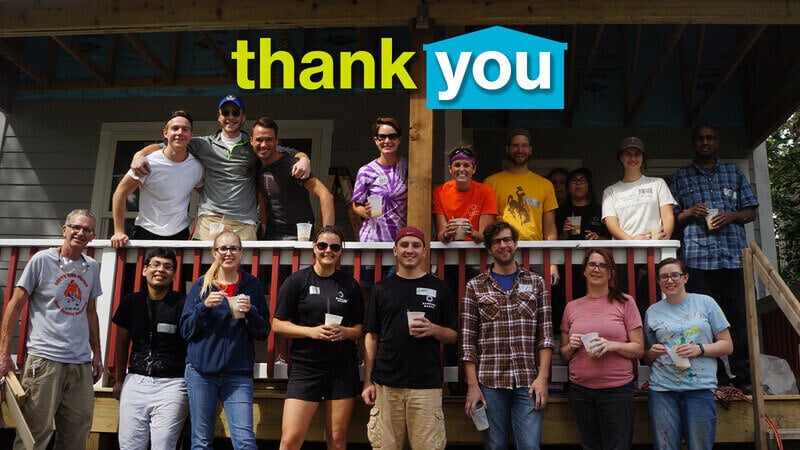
[511,405]
[691,415]
[236,394]
[604,416]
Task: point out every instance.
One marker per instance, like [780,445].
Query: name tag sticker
[526,288]
[426,292]
[313,290]
[167,328]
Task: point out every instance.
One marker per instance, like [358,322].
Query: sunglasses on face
[390,136]
[322,246]
[231,112]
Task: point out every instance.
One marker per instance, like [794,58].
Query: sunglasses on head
[231,112]
[322,246]
[462,151]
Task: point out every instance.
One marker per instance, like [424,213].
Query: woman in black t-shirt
[321,309]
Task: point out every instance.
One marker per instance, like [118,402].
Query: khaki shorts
[207,227]
[400,415]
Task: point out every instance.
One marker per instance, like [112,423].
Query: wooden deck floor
[735,424]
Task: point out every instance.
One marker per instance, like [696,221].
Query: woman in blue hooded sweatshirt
[219,363]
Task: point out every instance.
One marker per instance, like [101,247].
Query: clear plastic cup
[479,417]
[575,221]
[680,362]
[711,213]
[236,310]
[461,231]
[411,316]
[654,227]
[333,320]
[587,342]
[376,205]
[303,231]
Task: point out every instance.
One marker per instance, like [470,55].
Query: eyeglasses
[77,228]
[578,181]
[508,240]
[705,137]
[522,145]
[322,246]
[600,266]
[462,151]
[390,136]
[234,250]
[164,266]
[231,112]
[674,276]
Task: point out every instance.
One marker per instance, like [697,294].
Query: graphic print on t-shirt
[71,303]
[518,207]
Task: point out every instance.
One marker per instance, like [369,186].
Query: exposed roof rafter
[149,56]
[744,47]
[67,44]
[8,52]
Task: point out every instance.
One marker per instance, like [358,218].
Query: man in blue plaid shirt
[714,202]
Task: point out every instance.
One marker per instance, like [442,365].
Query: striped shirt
[501,331]
[724,187]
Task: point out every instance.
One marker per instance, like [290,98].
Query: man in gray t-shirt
[61,286]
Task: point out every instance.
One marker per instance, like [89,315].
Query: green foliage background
[783,151]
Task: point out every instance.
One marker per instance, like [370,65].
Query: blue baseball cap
[231,98]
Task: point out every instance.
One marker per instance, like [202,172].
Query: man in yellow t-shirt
[524,199]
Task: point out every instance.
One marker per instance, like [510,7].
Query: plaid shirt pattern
[724,187]
[501,331]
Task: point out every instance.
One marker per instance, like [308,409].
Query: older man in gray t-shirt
[61,286]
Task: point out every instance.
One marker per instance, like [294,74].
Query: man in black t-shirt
[402,371]
[283,198]
[152,392]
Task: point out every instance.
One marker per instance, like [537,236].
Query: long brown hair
[211,277]
[608,255]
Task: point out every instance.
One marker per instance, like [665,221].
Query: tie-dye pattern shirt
[391,183]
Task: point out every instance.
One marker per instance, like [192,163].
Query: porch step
[787,434]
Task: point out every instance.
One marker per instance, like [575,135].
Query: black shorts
[314,382]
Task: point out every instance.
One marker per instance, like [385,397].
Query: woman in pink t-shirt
[462,207]
[601,368]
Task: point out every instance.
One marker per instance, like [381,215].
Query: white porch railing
[262,258]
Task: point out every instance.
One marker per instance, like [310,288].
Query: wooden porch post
[420,142]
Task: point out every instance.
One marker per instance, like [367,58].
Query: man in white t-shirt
[165,193]
[60,286]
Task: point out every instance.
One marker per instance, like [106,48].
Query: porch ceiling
[629,64]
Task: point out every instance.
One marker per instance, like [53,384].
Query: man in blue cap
[228,200]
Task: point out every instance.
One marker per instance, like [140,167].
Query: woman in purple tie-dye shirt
[387,177]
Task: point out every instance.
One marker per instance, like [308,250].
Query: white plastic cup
[333,320]
[411,316]
[587,342]
[376,205]
[479,417]
[654,227]
[236,310]
[680,362]
[711,213]
[575,221]
[303,231]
